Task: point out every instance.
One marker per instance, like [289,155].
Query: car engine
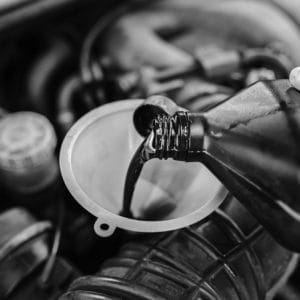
[149,149]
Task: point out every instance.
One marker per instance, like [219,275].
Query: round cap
[27,140]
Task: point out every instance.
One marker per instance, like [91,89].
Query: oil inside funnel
[94,159]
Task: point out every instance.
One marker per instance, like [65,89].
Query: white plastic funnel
[94,159]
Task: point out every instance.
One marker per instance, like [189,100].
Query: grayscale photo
[149,149]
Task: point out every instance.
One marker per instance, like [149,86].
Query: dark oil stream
[134,170]
[155,211]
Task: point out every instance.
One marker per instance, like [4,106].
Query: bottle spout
[170,131]
[151,108]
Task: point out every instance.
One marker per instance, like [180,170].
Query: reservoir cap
[27,144]
[27,139]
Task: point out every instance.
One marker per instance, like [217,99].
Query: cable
[91,71]
[49,266]
[65,110]
[278,62]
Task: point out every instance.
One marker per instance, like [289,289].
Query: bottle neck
[179,136]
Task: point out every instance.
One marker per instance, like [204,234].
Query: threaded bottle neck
[173,135]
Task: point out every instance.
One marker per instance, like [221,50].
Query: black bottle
[251,142]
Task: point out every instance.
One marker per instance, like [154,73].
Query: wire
[91,71]
[278,62]
[65,110]
[49,266]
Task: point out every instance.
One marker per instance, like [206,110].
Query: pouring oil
[133,173]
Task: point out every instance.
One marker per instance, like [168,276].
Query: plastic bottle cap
[27,139]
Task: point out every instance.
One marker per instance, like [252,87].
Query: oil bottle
[251,142]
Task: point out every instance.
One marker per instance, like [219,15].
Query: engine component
[27,161]
[210,63]
[158,35]
[25,248]
[29,177]
[226,256]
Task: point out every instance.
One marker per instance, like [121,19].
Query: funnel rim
[65,158]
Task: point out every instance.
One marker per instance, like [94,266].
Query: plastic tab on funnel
[94,159]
